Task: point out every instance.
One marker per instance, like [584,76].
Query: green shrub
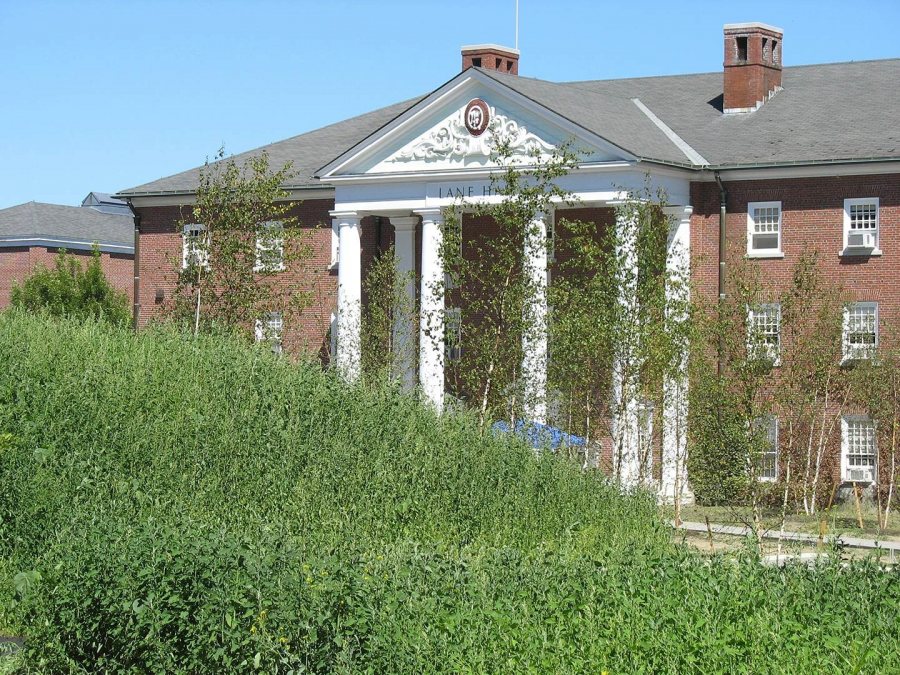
[181,505]
[70,290]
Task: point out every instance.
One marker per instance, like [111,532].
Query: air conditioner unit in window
[861,240]
[859,475]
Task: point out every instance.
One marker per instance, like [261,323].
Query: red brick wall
[16,264]
[160,260]
[812,219]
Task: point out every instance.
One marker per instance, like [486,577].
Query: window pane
[863,216]
[765,241]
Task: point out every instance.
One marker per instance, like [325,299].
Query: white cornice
[189,198]
[68,244]
[836,169]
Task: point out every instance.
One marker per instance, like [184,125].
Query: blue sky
[107,95]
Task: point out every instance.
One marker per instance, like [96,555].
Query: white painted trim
[488,45]
[845,446]
[190,198]
[776,172]
[693,156]
[846,357]
[751,222]
[68,244]
[751,25]
[862,201]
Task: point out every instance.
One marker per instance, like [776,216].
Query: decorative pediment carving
[452,142]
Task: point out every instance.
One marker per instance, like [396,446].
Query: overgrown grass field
[179,505]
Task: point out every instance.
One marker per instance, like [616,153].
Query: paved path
[891,545]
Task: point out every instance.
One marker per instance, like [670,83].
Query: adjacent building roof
[72,227]
[825,113]
[105,202]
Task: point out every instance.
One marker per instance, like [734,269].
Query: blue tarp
[541,435]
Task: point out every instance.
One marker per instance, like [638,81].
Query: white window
[766,436]
[269,329]
[453,333]
[335,242]
[858,449]
[193,248]
[332,337]
[764,229]
[861,226]
[860,331]
[764,332]
[269,247]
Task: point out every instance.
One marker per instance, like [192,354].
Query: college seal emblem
[477,116]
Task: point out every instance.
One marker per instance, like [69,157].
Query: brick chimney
[491,57]
[752,65]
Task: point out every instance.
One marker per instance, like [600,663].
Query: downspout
[136,308]
[723,215]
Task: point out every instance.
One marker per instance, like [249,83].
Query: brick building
[33,234]
[792,156]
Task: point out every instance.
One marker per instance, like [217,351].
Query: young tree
[72,290]
[812,390]
[732,413]
[488,279]
[389,324]
[621,327]
[877,388]
[237,241]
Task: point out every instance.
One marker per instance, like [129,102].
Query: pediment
[459,127]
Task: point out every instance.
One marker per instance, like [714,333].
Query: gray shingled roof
[65,224]
[307,152]
[825,113]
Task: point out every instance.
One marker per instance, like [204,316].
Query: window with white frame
[860,331]
[858,449]
[453,333]
[764,228]
[269,247]
[335,243]
[764,332]
[269,329]
[766,436]
[332,337]
[194,249]
[861,225]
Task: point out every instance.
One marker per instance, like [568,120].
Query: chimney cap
[491,47]
[753,25]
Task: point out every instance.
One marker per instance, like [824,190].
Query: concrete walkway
[890,545]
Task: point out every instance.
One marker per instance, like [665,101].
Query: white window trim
[454,334]
[764,253]
[845,448]
[751,328]
[332,337]
[771,479]
[858,202]
[185,246]
[265,332]
[278,244]
[335,245]
[846,357]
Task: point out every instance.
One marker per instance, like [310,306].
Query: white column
[349,307]
[534,335]
[431,303]
[626,456]
[404,325]
[675,387]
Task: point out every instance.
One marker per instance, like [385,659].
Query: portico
[428,161]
